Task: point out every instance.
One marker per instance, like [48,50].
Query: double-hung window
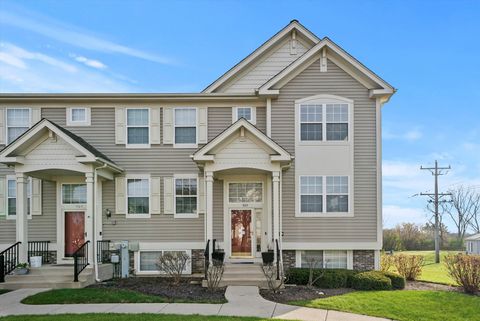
[321,122]
[311,126]
[18,122]
[138,127]
[315,191]
[247,113]
[311,194]
[185,126]
[12,197]
[337,121]
[186,196]
[78,116]
[138,197]
[337,194]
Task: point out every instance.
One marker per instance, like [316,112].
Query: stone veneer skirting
[198,261]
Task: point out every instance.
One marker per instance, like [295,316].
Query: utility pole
[436,171]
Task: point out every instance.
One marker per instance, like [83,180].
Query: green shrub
[331,279]
[465,269]
[398,281]
[371,280]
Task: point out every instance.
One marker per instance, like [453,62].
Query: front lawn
[124,317]
[100,295]
[431,271]
[404,305]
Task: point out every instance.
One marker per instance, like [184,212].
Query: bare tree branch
[460,208]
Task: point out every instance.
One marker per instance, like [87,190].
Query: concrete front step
[243,274]
[49,276]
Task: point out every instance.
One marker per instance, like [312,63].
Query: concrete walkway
[242,301]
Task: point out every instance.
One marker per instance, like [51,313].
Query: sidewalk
[242,301]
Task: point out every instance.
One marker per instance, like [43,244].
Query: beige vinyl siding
[219,118]
[44,227]
[218,210]
[157,228]
[40,227]
[363,226]
[159,160]
[274,62]
[262,119]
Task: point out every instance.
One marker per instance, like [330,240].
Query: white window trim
[6,121]
[188,269]
[184,215]
[180,145]
[71,122]
[323,100]
[137,146]
[298,257]
[138,176]
[253,112]
[324,213]
[13,178]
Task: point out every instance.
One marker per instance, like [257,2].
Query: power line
[435,198]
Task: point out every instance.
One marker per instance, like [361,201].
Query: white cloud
[22,70]
[89,62]
[71,35]
[411,135]
[393,214]
[17,57]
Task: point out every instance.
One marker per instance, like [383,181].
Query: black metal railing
[207,258]
[39,248]
[8,260]
[103,251]
[80,260]
[277,248]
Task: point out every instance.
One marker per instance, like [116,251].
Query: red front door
[74,231]
[241,233]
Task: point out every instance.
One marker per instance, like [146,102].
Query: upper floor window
[185,120]
[311,125]
[138,197]
[186,196]
[18,122]
[324,118]
[78,116]
[315,191]
[247,113]
[138,127]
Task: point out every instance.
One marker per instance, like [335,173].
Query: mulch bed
[418,285]
[190,289]
[301,292]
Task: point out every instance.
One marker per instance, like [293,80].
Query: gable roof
[244,63]
[202,153]
[336,53]
[475,237]
[76,141]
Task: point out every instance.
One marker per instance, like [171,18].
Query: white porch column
[89,180]
[276,208]
[209,210]
[21,217]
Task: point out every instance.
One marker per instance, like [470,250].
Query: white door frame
[252,232]
[61,209]
[228,207]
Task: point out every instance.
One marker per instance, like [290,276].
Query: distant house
[473,244]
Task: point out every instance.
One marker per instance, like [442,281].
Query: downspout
[94,237]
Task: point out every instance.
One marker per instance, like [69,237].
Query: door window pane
[74,193]
[245,192]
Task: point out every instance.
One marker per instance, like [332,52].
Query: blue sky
[426,49]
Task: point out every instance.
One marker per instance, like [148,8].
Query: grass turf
[2,291]
[431,271]
[99,295]
[404,305]
[124,317]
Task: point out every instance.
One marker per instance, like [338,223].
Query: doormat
[242,262]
